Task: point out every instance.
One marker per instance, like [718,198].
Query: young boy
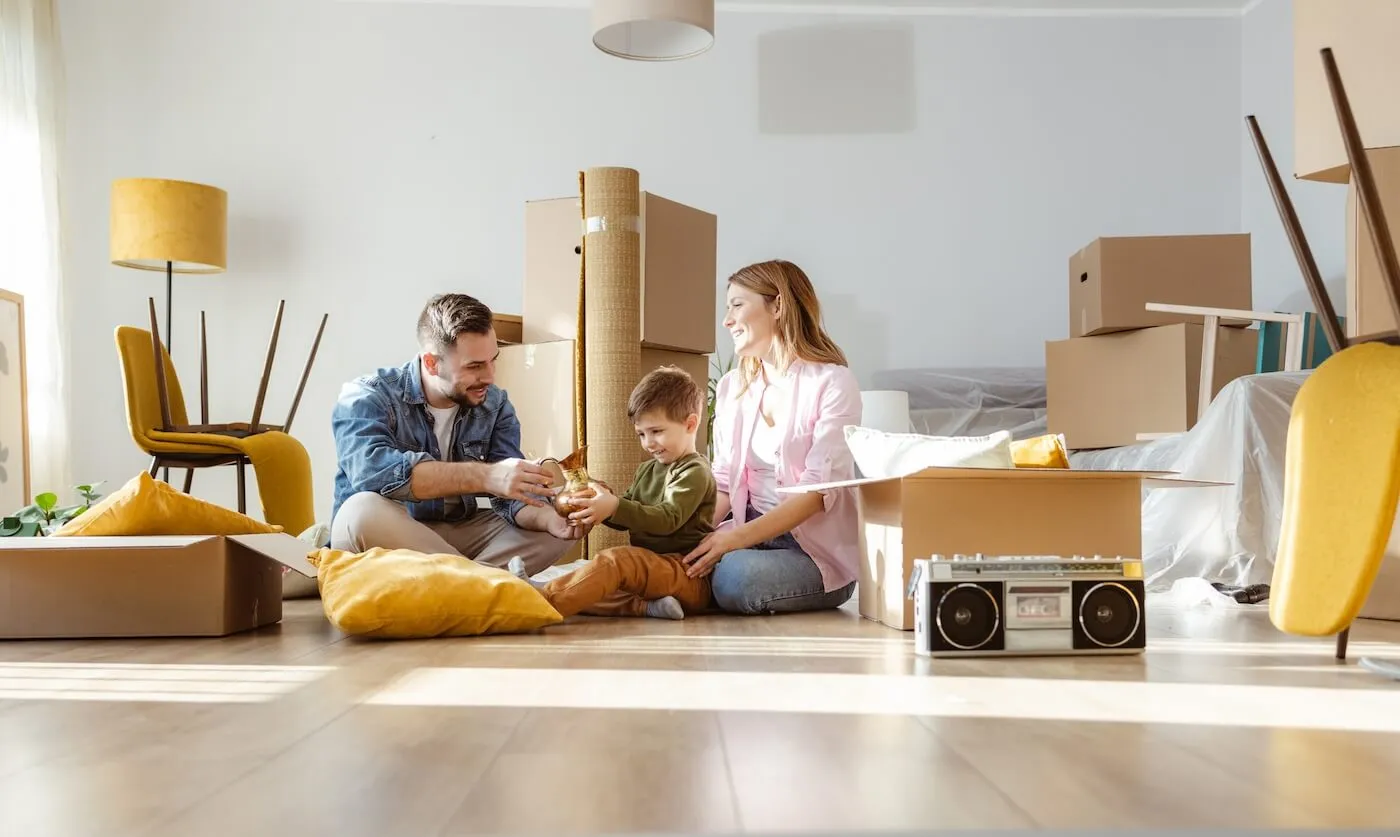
[668,509]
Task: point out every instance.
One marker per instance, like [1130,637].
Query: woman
[779,420]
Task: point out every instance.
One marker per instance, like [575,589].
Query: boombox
[980,605]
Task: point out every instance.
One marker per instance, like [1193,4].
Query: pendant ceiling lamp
[653,30]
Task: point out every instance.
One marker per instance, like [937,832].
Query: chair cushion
[147,506]
[402,594]
[1047,451]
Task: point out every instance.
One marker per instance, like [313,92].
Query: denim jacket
[383,428]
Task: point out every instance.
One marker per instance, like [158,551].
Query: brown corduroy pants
[619,581]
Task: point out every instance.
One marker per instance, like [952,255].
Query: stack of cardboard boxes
[1126,371]
[678,311]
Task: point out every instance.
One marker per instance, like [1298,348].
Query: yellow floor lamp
[170,225]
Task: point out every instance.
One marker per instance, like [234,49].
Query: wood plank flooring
[711,725]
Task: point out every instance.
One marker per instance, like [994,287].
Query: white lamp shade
[885,410]
[653,30]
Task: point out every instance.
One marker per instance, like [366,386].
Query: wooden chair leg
[242,486]
[1342,643]
[155,466]
[1207,385]
[189,479]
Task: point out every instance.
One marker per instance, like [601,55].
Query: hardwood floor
[718,724]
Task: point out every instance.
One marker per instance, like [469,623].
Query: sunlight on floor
[726,646]
[857,694]
[160,683]
[1323,647]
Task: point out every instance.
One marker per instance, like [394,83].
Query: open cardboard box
[1021,511]
[162,586]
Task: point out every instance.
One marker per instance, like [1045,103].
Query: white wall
[377,153]
[1266,62]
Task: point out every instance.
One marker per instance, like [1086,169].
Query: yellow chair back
[142,392]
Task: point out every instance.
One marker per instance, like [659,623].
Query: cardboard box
[1362,35]
[1023,511]
[1102,391]
[1368,307]
[539,379]
[510,328]
[1112,280]
[81,588]
[679,274]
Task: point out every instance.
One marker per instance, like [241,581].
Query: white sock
[665,608]
[516,567]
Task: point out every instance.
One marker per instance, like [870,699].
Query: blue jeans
[773,577]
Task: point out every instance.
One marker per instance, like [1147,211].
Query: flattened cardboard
[108,587]
[539,379]
[1367,301]
[1022,511]
[1362,35]
[679,281]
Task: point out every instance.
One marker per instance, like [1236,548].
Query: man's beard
[462,399]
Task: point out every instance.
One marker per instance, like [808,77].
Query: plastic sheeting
[971,402]
[1227,534]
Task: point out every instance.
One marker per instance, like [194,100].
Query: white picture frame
[15,487]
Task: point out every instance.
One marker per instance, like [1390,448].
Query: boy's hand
[595,509]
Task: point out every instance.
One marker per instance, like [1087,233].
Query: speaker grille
[967,616]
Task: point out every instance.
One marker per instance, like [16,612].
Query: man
[419,443]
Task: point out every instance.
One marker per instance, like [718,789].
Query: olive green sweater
[668,508]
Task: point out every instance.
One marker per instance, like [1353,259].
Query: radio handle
[914,578]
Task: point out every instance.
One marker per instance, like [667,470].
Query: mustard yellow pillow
[402,594]
[148,506]
[1040,452]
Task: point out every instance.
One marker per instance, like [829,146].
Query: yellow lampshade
[158,221]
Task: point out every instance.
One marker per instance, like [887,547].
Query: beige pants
[368,520]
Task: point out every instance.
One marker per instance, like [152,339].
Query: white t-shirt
[761,472]
[443,420]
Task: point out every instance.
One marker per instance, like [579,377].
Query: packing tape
[602,223]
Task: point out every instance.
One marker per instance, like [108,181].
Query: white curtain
[30,225]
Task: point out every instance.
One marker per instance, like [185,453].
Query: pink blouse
[824,399]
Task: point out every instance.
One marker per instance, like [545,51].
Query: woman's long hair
[800,335]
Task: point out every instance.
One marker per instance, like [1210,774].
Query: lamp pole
[169,283]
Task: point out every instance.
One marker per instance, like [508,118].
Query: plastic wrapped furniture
[971,402]
[1227,534]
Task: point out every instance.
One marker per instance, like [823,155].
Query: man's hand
[565,529]
[594,510]
[701,560]
[517,479]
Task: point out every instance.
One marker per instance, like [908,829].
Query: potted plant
[720,369]
[44,515]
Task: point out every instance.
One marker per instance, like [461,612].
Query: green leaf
[31,514]
[46,501]
[67,513]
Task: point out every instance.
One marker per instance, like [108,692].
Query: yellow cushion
[1040,452]
[402,594]
[148,506]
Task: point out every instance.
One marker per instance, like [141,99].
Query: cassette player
[1028,605]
